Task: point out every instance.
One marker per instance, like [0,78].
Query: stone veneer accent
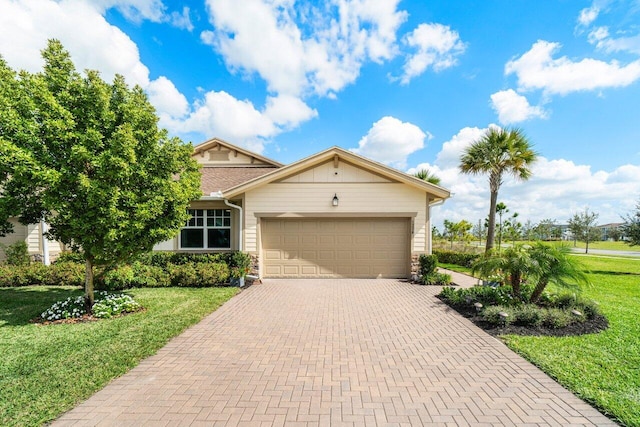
[255,265]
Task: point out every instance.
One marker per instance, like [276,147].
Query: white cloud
[512,107]
[391,141]
[305,49]
[166,98]
[588,15]
[181,20]
[134,10]
[288,111]
[436,46]
[449,156]
[537,69]
[601,38]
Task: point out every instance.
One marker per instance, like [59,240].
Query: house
[31,234]
[333,214]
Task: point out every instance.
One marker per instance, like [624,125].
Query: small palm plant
[555,265]
[514,264]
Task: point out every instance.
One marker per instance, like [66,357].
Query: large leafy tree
[88,157]
[498,152]
[631,228]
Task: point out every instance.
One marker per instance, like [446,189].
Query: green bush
[118,278]
[528,315]
[149,276]
[239,264]
[66,274]
[555,318]
[492,315]
[457,258]
[440,279]
[428,264]
[198,275]
[64,257]
[165,259]
[17,254]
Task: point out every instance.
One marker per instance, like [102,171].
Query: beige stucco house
[333,214]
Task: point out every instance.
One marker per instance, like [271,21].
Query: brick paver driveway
[339,352]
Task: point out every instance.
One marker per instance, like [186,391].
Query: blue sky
[406,83]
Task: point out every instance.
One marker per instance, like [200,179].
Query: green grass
[455,267]
[47,370]
[603,369]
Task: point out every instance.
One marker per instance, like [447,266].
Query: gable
[335,171]
[219,153]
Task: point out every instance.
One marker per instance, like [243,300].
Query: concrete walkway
[334,352]
[460,279]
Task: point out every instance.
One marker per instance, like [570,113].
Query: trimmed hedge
[158,269]
[457,258]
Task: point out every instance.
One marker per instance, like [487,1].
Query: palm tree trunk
[492,221]
[538,291]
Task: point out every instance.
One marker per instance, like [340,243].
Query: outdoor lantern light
[335,200]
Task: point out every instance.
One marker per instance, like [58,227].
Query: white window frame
[206,215]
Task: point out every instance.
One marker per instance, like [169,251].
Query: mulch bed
[590,326]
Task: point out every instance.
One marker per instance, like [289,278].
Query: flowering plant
[105,305]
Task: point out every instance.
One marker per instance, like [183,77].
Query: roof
[223,178]
[435,191]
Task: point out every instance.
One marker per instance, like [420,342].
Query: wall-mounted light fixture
[335,200]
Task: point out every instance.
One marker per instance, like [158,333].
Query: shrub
[457,258]
[77,257]
[17,254]
[118,278]
[428,264]
[485,295]
[555,318]
[164,259]
[440,279]
[66,274]
[149,276]
[239,264]
[492,315]
[198,275]
[528,315]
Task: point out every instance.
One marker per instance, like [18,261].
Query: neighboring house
[333,214]
[607,228]
[32,235]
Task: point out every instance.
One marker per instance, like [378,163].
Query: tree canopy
[631,228]
[583,227]
[88,157]
[498,152]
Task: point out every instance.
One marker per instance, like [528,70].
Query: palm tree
[498,152]
[515,264]
[555,265]
[428,176]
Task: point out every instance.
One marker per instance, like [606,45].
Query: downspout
[231,205]
[45,243]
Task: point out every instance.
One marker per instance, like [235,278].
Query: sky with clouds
[408,83]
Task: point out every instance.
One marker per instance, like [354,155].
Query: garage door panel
[348,247]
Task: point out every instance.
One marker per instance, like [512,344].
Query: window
[207,229]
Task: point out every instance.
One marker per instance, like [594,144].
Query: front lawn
[604,368]
[47,370]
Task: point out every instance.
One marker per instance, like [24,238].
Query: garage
[335,247]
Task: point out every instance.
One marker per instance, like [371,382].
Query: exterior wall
[32,235]
[19,234]
[355,199]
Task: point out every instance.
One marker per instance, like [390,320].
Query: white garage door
[358,247]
